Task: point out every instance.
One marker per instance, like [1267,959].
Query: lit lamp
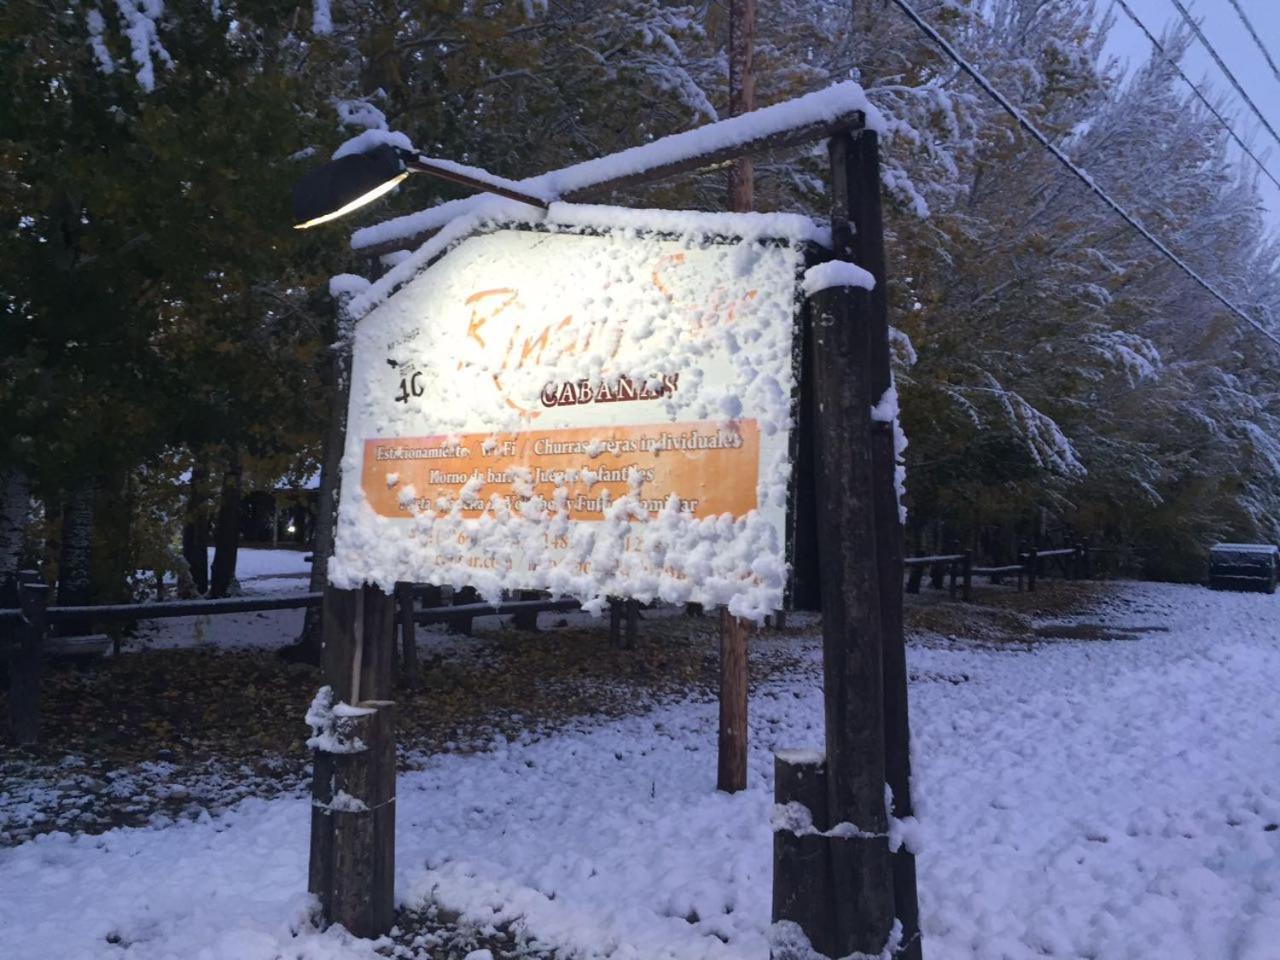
[350,182]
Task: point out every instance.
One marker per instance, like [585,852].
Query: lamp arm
[417,164]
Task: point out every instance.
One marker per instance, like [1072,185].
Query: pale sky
[1225,31]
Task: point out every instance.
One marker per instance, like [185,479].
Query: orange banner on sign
[711,469]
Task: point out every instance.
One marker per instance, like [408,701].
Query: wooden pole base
[352,870]
[731,772]
[801,861]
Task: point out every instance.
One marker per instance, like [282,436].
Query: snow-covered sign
[584,407]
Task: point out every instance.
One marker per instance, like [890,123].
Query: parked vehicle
[1244,566]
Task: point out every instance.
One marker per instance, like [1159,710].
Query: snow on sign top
[828,104]
[488,209]
[588,407]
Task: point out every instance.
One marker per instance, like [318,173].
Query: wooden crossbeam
[712,159]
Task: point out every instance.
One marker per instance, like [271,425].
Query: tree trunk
[75,563]
[15,504]
[195,531]
[226,533]
[113,560]
[742,95]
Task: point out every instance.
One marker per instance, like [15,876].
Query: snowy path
[1103,800]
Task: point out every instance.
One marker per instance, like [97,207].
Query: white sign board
[594,414]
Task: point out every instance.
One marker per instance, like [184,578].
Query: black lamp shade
[343,184]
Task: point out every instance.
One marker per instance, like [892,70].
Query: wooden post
[408,634]
[952,570]
[338,636]
[352,863]
[1033,564]
[633,624]
[25,660]
[349,809]
[915,578]
[1086,565]
[526,619]
[868,252]
[463,597]
[320,862]
[354,878]
[731,771]
[382,782]
[801,864]
[340,612]
[615,622]
[967,568]
[861,880]
[378,648]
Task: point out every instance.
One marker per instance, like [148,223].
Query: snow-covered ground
[253,563]
[258,571]
[1111,800]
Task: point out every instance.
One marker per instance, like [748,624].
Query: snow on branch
[321,18]
[359,112]
[1137,356]
[141,19]
[96,25]
[1048,445]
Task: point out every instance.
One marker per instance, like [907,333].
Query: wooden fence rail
[1074,562]
[959,565]
[25,628]
[123,612]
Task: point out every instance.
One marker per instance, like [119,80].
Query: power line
[1066,161]
[1204,41]
[1196,90]
[1256,39]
